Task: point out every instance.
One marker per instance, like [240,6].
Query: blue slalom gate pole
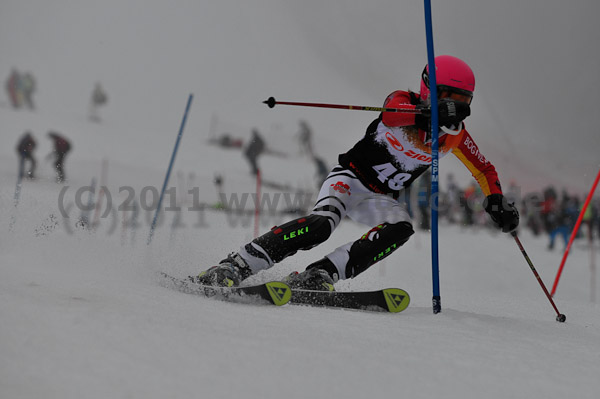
[162,193]
[435,269]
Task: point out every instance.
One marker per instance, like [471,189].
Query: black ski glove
[450,112]
[505,215]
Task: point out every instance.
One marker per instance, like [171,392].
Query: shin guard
[300,234]
[377,244]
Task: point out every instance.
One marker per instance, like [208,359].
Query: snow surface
[82,312]
[84,316]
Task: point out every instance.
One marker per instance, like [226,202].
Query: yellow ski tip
[397,300]
[280,292]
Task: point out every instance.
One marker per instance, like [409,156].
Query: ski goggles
[454,94]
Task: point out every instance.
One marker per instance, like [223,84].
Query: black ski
[392,300]
[274,292]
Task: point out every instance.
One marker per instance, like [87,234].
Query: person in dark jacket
[25,150]
[253,150]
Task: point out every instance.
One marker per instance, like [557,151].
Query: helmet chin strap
[453,130]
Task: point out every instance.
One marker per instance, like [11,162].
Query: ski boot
[317,276]
[228,273]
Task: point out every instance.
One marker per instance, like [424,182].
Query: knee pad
[300,234]
[378,243]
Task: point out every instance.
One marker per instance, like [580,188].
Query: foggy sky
[535,64]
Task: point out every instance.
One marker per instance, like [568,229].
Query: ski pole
[559,316]
[271,102]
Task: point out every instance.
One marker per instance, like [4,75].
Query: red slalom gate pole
[574,233]
[271,102]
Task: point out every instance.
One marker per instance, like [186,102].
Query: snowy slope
[83,314]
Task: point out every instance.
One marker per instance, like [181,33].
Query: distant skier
[28,87]
[255,147]
[305,139]
[13,89]
[395,150]
[99,98]
[25,150]
[61,147]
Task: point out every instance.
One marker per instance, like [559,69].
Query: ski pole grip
[270,102]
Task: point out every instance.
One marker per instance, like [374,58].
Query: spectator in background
[253,150]
[305,139]
[548,211]
[28,86]
[99,98]
[13,89]
[469,197]
[453,199]
[25,149]
[532,204]
[588,220]
[573,208]
[557,222]
[61,147]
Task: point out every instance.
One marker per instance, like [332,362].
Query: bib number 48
[387,172]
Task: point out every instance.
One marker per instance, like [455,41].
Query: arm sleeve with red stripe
[398,99]
[482,170]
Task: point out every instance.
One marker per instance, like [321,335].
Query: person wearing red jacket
[366,184]
[61,147]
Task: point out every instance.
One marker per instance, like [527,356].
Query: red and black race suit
[394,152]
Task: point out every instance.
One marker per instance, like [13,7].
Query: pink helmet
[452,74]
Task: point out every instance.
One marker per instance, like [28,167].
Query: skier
[13,88]
[28,88]
[61,148]
[25,150]
[98,99]
[305,139]
[364,186]
[255,148]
